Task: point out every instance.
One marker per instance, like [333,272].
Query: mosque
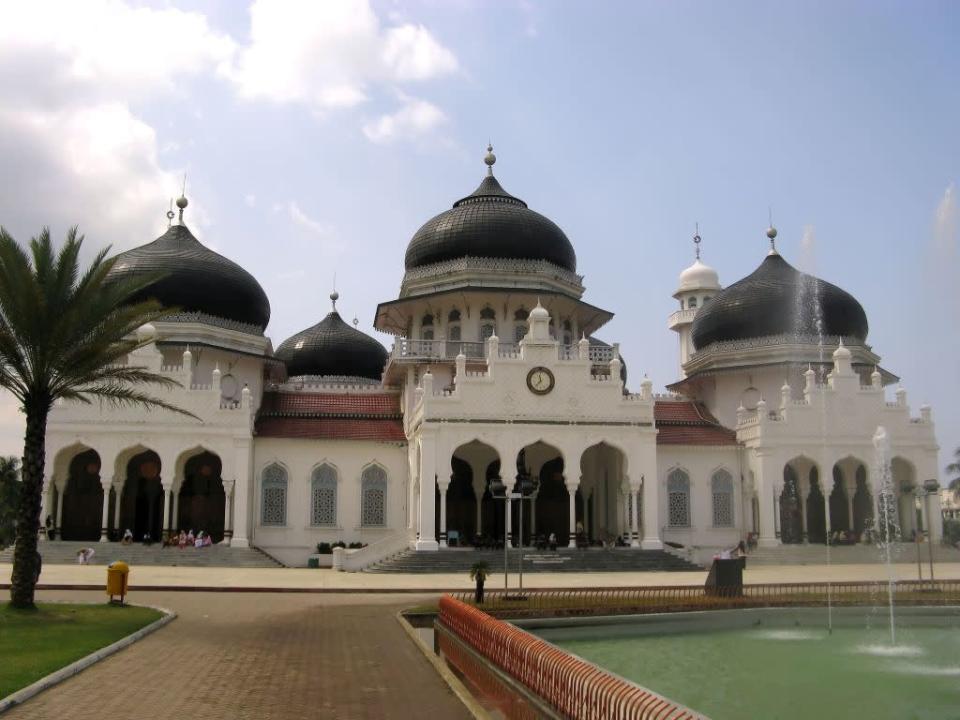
[496,382]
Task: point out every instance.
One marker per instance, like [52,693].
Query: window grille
[678,499]
[373,498]
[274,496]
[721,485]
[323,496]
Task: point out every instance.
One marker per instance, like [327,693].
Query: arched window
[487,323]
[273,506]
[567,333]
[705,299]
[678,499]
[692,303]
[373,497]
[323,496]
[721,485]
[426,327]
[453,325]
[520,324]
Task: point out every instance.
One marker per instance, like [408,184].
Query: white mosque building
[496,381]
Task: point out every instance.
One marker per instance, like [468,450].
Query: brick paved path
[256,656]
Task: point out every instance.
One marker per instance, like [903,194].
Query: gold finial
[489,159]
[697,239]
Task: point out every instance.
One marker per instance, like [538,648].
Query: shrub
[951,531]
[356,545]
[324,548]
[338,544]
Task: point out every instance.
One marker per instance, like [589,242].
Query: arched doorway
[202,501]
[82,499]
[791,517]
[602,477]
[816,514]
[553,503]
[141,507]
[491,510]
[862,504]
[839,505]
[461,502]
[904,484]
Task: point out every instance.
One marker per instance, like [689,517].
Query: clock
[540,380]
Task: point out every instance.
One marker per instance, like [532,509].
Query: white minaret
[698,284]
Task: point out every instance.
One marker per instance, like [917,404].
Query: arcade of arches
[809,510]
[85,506]
[597,512]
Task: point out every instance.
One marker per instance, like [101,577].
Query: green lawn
[34,643]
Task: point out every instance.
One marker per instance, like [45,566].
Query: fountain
[881,442]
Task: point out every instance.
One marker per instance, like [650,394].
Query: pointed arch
[324,482]
[721,490]
[373,495]
[678,498]
[273,495]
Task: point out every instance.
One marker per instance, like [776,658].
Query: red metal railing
[575,688]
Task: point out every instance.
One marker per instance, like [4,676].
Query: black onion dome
[196,279]
[490,223]
[778,299]
[333,348]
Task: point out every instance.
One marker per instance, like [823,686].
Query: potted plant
[478,573]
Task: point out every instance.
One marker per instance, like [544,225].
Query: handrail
[575,688]
[355,560]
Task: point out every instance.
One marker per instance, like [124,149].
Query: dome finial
[772,233]
[489,158]
[170,214]
[334,296]
[182,200]
[697,239]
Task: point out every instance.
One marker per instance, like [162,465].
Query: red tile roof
[331,416]
[684,422]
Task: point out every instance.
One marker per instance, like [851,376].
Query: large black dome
[778,299]
[490,223]
[196,278]
[333,348]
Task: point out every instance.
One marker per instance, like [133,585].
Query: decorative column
[45,494]
[649,504]
[117,497]
[243,474]
[443,485]
[175,513]
[508,515]
[105,512]
[572,490]
[59,521]
[533,517]
[227,506]
[428,485]
[632,510]
[766,496]
[167,499]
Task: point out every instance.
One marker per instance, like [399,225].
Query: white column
[533,517]
[572,490]
[117,497]
[175,513]
[59,521]
[45,507]
[509,519]
[650,507]
[479,497]
[243,458]
[167,498]
[632,509]
[428,485]
[227,506]
[766,480]
[105,512]
[443,486]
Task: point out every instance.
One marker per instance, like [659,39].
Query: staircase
[534,561]
[848,554]
[65,552]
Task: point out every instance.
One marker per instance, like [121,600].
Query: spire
[489,159]
[334,296]
[170,214]
[697,240]
[772,234]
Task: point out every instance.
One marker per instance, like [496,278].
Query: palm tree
[63,332]
[954,469]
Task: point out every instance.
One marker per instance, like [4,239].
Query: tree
[63,333]
[954,470]
[9,494]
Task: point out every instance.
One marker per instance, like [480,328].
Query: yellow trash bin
[117,574]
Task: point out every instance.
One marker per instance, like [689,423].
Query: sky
[316,137]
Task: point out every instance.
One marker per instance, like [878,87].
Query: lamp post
[919,494]
[526,488]
[498,491]
[931,486]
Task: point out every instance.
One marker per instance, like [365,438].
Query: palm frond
[123,395]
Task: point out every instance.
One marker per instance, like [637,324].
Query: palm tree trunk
[28,516]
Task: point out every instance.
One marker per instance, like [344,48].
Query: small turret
[697,286]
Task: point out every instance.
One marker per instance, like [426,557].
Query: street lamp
[931,486]
[526,488]
[498,491]
[919,493]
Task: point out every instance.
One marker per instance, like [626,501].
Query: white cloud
[946,222]
[414,119]
[304,221]
[328,54]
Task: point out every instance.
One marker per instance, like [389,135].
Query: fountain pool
[780,663]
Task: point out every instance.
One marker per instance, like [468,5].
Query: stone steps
[65,552]
[561,560]
[848,554]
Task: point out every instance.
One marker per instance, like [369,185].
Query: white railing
[406,348]
[359,559]
[600,353]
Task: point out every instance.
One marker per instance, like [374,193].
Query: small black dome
[490,223]
[333,348]
[196,278]
[778,299]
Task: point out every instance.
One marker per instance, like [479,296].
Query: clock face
[540,380]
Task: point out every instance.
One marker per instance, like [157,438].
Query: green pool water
[783,664]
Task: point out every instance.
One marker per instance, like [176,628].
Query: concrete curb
[64,673]
[454,683]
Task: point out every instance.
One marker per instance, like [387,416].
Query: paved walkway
[334,581]
[258,656]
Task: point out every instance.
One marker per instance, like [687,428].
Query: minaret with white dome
[698,284]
